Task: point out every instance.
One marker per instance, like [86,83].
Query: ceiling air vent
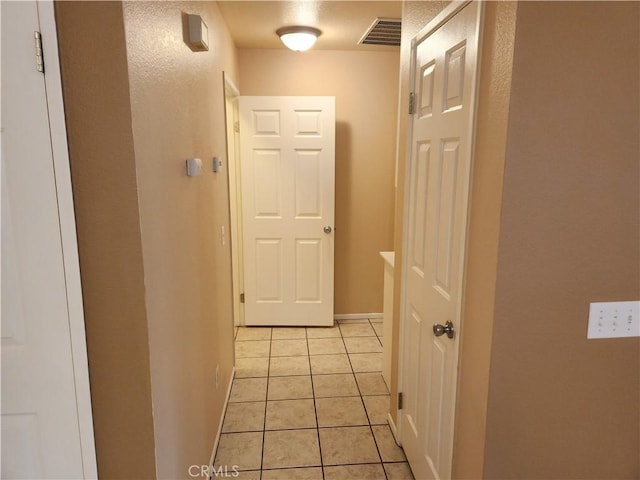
[383,31]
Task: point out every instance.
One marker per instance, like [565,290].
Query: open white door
[444,76]
[46,411]
[287,152]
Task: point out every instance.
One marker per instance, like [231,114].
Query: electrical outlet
[614,320]
[223,236]
[217,376]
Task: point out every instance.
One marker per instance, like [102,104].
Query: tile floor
[310,404]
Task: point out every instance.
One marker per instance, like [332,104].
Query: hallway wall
[570,235]
[365,85]
[156,280]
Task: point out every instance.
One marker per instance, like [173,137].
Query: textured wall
[156,279]
[365,85]
[569,236]
[496,61]
[98,115]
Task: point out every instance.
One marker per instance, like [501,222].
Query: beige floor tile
[325,364]
[371,384]
[288,333]
[289,388]
[366,362]
[340,412]
[253,349]
[347,445]
[291,448]
[372,471]
[248,390]
[244,417]
[289,348]
[378,328]
[377,409]
[251,367]
[363,344]
[246,475]
[357,330]
[243,450]
[286,366]
[326,346]
[337,385]
[313,473]
[389,450]
[323,332]
[376,320]
[290,414]
[253,333]
[398,471]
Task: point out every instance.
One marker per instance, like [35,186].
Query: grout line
[315,405]
[266,404]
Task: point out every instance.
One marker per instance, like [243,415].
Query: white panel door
[444,76]
[287,150]
[45,411]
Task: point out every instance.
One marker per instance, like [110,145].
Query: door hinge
[412,101]
[242,298]
[39,58]
[236,127]
[399,400]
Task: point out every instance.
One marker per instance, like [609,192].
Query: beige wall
[98,115]
[569,236]
[149,235]
[365,85]
[496,60]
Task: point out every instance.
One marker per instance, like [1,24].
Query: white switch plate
[194,167]
[614,320]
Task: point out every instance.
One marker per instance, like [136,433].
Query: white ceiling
[253,23]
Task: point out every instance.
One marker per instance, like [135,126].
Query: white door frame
[68,238]
[444,16]
[231,96]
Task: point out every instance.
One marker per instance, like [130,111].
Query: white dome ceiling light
[298,39]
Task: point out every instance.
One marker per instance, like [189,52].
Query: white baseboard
[224,411]
[394,429]
[356,316]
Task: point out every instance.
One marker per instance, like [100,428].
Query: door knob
[439,330]
[327,229]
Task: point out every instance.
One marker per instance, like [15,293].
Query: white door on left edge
[46,425]
[287,151]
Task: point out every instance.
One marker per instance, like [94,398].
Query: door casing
[231,97]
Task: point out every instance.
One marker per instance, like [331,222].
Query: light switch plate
[614,320]
[194,167]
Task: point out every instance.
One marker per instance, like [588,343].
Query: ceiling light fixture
[298,39]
